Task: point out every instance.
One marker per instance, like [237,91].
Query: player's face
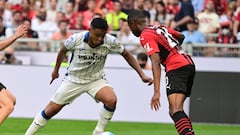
[96,37]
[136,27]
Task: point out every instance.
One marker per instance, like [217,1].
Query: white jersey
[86,63]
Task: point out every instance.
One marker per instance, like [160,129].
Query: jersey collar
[86,37]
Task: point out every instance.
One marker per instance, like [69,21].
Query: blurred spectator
[228,16]
[104,6]
[220,6]
[15,22]
[26,10]
[70,13]
[61,5]
[88,14]
[59,16]
[139,5]
[114,17]
[192,35]
[208,19]
[8,57]
[210,50]
[78,25]
[2,28]
[79,5]
[149,6]
[60,35]
[142,59]
[30,34]
[11,3]
[172,8]
[38,4]
[226,36]
[236,21]
[127,5]
[43,27]
[5,13]
[63,32]
[52,10]
[185,14]
[198,6]
[161,15]
[126,37]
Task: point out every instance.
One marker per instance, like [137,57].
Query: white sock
[36,125]
[105,117]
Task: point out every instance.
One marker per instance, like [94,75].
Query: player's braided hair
[99,23]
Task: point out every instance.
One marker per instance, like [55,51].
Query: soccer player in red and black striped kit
[162,45]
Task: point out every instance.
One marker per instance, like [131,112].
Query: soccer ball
[106,133]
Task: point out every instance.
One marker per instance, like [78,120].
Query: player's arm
[150,44]
[134,64]
[178,35]
[61,54]
[21,30]
[156,70]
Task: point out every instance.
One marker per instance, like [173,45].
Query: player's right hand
[54,76]
[155,102]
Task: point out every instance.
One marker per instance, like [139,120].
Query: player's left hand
[147,79]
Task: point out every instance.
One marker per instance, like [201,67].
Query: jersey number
[163,31]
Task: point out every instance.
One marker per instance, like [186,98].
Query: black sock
[182,123]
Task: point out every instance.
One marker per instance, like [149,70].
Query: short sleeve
[149,43]
[70,42]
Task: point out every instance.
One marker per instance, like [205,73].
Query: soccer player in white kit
[85,74]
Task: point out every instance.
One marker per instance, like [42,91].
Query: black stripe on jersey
[72,56]
[163,52]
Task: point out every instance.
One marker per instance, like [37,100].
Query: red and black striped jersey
[163,40]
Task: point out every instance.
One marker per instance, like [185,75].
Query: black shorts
[180,80]
[2,86]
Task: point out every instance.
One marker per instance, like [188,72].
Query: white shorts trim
[69,91]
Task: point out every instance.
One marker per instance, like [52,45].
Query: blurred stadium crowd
[211,27]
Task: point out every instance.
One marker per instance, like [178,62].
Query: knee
[111,102]
[8,108]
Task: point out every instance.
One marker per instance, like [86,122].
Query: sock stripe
[44,115]
[182,126]
[186,127]
[109,109]
[182,120]
[182,123]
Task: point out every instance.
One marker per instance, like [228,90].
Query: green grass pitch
[17,126]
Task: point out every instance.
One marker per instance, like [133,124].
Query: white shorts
[69,91]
